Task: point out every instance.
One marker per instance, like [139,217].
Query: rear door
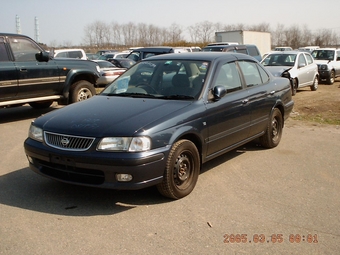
[261,95]
[34,78]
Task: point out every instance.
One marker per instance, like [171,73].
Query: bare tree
[194,32]
[207,32]
[175,32]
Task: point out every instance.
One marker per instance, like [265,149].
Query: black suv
[29,75]
[249,49]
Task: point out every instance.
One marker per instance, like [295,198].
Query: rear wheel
[315,85]
[272,136]
[182,170]
[82,90]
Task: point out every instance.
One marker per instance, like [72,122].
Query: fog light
[30,159]
[123,177]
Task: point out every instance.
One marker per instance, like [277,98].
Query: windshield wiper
[178,97]
[134,94]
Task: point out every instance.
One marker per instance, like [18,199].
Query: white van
[69,53]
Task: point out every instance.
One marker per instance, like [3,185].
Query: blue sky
[65,20]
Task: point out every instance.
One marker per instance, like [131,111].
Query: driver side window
[23,49]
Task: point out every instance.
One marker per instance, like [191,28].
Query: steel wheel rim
[183,170]
[275,129]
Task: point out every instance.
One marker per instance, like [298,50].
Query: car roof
[286,52]
[201,56]
[154,48]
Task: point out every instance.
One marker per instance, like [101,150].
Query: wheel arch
[74,76]
[190,134]
[280,106]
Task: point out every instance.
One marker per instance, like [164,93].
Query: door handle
[23,70]
[245,101]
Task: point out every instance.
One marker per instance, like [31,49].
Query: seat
[180,86]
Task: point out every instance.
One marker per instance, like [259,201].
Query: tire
[294,87]
[41,104]
[272,136]
[81,90]
[331,78]
[315,85]
[182,170]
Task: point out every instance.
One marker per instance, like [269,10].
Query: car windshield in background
[279,60]
[323,54]
[167,79]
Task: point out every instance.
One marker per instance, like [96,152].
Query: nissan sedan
[159,121]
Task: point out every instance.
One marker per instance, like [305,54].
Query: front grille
[68,142]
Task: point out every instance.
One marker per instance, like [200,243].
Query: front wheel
[331,78]
[182,170]
[82,90]
[315,85]
[272,136]
[294,87]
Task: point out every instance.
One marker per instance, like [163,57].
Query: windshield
[323,54]
[279,60]
[167,79]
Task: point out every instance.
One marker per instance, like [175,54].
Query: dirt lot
[318,107]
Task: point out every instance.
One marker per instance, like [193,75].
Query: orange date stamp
[273,238]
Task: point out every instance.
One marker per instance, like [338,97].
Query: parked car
[92,56]
[299,67]
[108,56]
[160,121]
[283,49]
[308,48]
[28,75]
[108,72]
[102,52]
[69,53]
[249,49]
[328,61]
[138,53]
[122,62]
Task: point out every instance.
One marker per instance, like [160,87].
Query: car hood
[102,116]
[277,70]
[321,61]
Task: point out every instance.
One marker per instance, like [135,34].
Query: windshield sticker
[122,84]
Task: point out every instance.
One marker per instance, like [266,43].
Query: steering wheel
[147,87]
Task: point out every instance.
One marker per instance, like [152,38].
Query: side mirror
[42,56]
[302,65]
[219,92]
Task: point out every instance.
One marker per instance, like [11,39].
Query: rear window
[253,51]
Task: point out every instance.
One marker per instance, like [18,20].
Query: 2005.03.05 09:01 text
[274,238]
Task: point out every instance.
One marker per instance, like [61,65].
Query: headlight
[98,68]
[35,133]
[323,67]
[133,144]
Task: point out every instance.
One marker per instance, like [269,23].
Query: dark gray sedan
[160,121]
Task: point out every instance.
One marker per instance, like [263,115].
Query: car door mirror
[219,92]
[42,56]
[302,65]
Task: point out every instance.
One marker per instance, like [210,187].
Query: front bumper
[97,169]
[324,74]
